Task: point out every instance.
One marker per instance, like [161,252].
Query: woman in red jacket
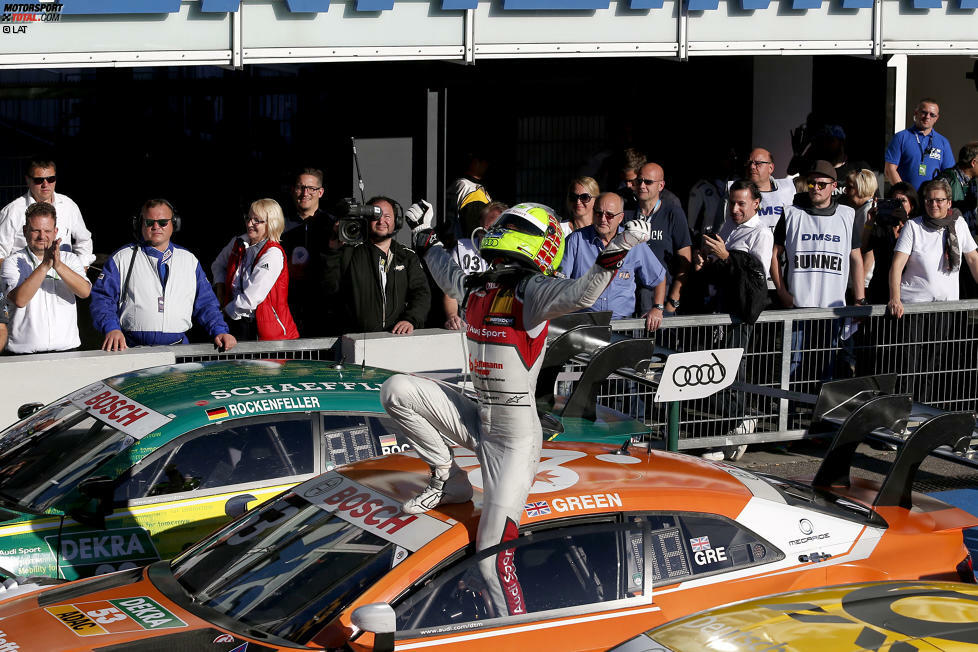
[252,279]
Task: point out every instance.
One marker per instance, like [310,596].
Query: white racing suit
[507,333]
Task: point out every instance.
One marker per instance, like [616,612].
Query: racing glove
[636,232]
[420,216]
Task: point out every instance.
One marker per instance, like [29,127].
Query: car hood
[123,610]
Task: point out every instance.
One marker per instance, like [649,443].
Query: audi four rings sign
[697,374]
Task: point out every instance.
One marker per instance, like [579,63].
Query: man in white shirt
[43,281]
[41,180]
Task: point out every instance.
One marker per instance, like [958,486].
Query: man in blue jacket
[150,291]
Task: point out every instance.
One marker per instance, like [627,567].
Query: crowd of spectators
[822,237]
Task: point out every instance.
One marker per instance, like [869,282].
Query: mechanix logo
[23,14]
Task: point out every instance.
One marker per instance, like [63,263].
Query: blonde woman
[580,204]
[252,279]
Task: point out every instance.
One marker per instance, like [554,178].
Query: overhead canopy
[235,32]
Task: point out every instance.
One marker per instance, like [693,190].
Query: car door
[565,587]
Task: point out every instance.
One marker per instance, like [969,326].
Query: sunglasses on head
[160,223]
[39,180]
[584,197]
[819,185]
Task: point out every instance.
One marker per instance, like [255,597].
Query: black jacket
[741,285]
[352,279]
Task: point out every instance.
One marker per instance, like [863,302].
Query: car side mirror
[27,409]
[377,618]
[100,489]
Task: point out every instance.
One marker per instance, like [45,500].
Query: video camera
[353,227]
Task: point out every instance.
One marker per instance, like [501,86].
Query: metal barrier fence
[788,354]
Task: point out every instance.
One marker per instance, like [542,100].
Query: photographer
[378,282]
[883,225]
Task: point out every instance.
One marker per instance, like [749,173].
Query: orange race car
[612,542]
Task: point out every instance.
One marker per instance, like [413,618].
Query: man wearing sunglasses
[639,269]
[150,291]
[816,235]
[41,178]
[918,154]
[669,241]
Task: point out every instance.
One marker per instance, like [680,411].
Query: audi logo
[702,374]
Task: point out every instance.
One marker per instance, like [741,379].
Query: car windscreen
[44,457]
[285,566]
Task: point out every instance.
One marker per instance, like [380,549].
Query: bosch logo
[322,487]
[806,526]
[702,374]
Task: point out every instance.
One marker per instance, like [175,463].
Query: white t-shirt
[925,277]
[774,201]
[75,236]
[49,322]
[467,256]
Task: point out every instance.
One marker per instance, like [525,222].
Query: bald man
[776,194]
[669,241]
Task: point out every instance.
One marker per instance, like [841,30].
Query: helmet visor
[511,222]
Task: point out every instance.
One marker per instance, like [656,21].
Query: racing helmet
[528,234]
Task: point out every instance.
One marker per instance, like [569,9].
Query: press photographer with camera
[378,283]
[879,236]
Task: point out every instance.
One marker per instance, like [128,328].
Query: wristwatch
[658,306]
[674,304]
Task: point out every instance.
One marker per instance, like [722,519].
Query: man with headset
[150,290]
[379,283]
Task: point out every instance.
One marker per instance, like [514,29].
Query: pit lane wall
[76,33]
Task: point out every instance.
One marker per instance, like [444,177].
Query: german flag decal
[217,413]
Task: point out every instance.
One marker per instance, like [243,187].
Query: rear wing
[860,408]
[587,338]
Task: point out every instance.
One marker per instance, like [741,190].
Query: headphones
[398,211]
[137,219]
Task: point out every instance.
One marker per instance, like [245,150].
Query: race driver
[508,308]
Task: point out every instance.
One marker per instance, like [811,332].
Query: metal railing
[788,354]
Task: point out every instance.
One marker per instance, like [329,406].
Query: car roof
[190,390]
[578,479]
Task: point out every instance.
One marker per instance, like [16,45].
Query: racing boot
[446,487]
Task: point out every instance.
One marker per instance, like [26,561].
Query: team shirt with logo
[817,248]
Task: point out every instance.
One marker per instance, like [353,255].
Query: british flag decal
[700,543]
[538,508]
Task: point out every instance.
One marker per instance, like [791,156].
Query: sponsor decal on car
[101,546]
[224,638]
[119,411]
[221,394]
[6,645]
[100,617]
[538,508]
[370,510]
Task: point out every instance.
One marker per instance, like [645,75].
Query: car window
[571,567]
[690,544]
[240,452]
